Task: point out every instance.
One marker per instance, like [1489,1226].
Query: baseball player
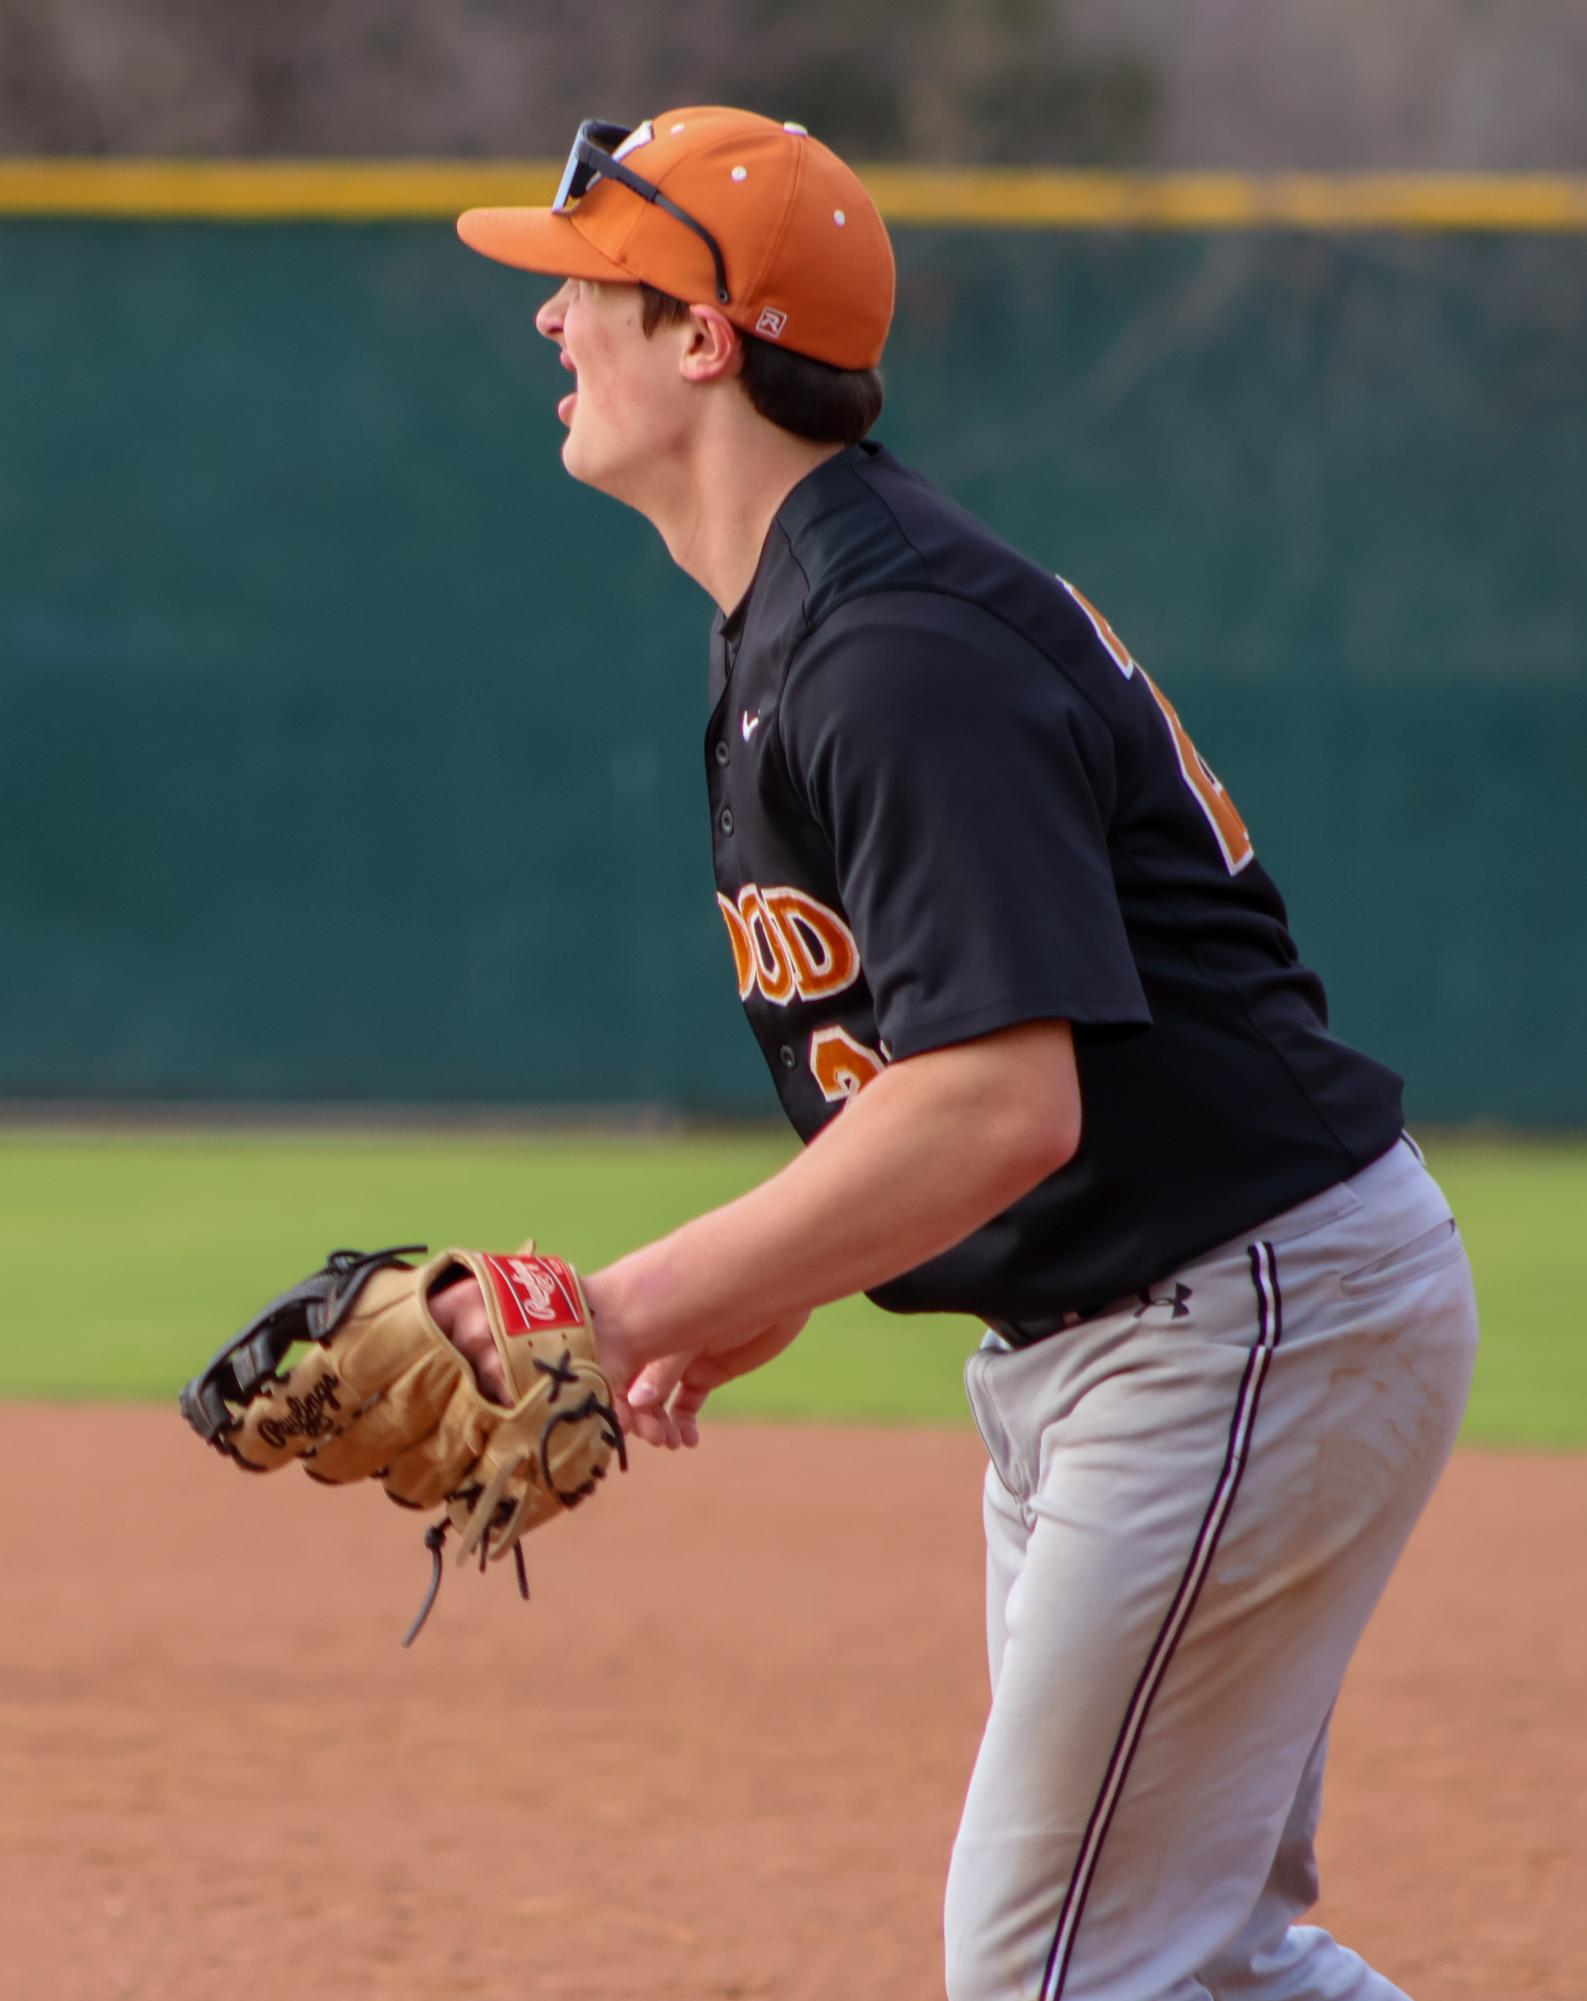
[1028,995]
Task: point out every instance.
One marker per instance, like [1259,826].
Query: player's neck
[714,511]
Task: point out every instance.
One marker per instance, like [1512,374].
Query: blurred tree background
[1151,83]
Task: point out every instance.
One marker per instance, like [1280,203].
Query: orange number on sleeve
[1222,815]
[1234,843]
[841,1065]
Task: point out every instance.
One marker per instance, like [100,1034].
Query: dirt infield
[760,1667]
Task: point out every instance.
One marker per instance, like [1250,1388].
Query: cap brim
[537,239]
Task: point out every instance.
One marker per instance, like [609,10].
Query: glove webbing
[309,1311]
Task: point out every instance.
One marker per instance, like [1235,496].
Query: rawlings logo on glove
[303,1419]
[535,1292]
[381,1394]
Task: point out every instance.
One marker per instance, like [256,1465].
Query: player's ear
[713,348]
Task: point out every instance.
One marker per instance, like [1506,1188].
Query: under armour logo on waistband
[1176,1306]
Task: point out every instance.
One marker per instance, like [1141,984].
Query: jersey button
[786,1057]
[725,820]
[721,751]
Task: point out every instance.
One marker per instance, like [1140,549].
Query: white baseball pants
[1192,1506]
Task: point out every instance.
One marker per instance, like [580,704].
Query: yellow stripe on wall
[1037,199]
[269,190]
[424,190]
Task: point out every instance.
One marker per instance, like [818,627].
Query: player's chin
[594,456]
[581,457]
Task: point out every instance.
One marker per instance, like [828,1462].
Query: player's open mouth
[565,407]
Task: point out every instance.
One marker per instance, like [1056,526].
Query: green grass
[129,1257]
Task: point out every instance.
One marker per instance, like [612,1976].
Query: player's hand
[459,1312]
[662,1404]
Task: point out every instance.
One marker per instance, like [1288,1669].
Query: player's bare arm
[928,1152]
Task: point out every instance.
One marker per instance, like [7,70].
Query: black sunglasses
[592,160]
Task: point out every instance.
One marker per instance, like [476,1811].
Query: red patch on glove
[536,1295]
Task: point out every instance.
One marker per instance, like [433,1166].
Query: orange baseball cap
[709,203]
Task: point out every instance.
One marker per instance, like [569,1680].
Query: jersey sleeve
[965,788]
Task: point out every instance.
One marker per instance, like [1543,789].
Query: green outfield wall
[350,752]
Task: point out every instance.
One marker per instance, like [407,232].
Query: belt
[1026,1333]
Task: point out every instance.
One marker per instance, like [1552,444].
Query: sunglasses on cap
[594,157]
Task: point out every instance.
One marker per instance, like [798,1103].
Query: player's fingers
[459,1311]
[479,1351]
[692,1392]
[691,1395]
[650,1427]
[656,1382]
[658,1429]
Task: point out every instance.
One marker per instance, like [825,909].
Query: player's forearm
[926,1154]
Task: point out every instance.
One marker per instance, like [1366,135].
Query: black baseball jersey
[945,799]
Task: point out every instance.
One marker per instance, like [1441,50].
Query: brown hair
[829,406]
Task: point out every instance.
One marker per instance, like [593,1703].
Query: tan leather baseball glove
[380,1393]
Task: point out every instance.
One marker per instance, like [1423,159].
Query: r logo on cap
[771,323]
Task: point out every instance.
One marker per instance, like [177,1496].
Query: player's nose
[551,315]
